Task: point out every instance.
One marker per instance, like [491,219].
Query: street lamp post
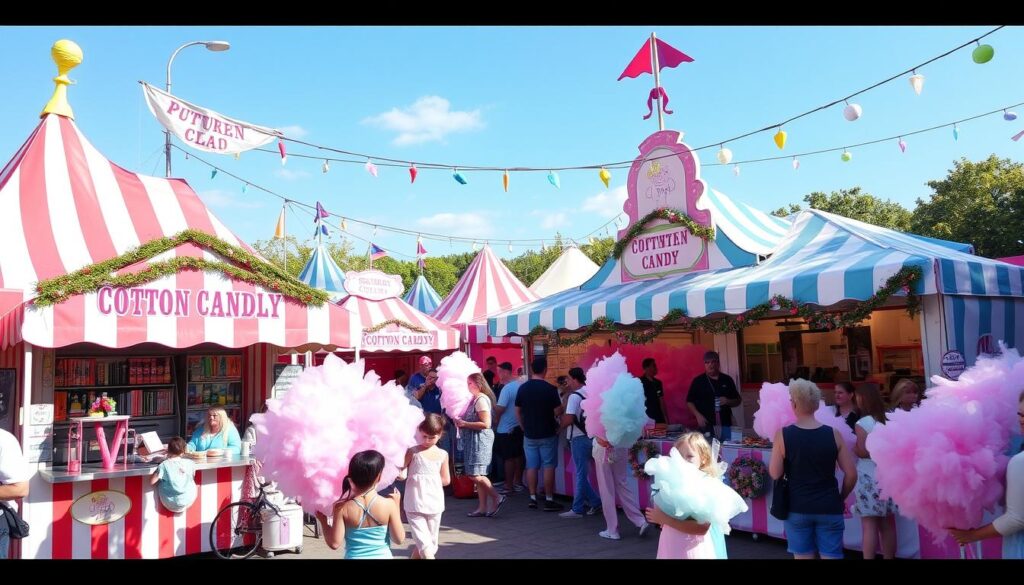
[210,45]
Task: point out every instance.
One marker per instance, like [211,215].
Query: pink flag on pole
[420,250]
[668,56]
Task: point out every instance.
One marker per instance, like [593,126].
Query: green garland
[399,322]
[903,280]
[668,214]
[243,266]
[649,449]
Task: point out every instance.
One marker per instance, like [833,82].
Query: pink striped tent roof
[487,287]
[64,206]
[436,335]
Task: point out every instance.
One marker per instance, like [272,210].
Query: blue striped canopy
[422,296]
[322,272]
[823,259]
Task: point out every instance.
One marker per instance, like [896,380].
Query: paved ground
[521,533]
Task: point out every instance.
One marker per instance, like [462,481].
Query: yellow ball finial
[67,55]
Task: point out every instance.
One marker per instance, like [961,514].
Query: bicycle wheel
[237,531]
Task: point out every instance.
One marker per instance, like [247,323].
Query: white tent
[570,270]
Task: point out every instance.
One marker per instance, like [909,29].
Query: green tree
[599,250]
[274,251]
[853,204]
[978,202]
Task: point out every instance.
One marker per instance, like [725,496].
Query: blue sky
[520,96]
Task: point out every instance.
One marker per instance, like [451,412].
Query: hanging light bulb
[606,177]
[902,145]
[459,178]
[736,170]
[724,154]
[982,53]
[780,138]
[370,167]
[344,225]
[956,132]
[847,156]
[412,173]
[796,163]
[504,180]
[852,112]
[510,247]
[245,187]
[553,179]
[917,82]
[1009,116]
[325,167]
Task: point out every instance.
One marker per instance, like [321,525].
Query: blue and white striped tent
[422,296]
[322,272]
[822,259]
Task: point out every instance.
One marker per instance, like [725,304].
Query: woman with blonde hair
[478,444]
[216,432]
[807,453]
[905,395]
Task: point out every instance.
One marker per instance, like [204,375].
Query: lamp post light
[210,45]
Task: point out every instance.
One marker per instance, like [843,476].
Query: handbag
[17,527]
[780,491]
[463,487]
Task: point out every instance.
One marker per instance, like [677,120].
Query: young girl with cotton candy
[691,503]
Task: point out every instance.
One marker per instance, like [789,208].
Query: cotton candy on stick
[600,378]
[331,413]
[451,378]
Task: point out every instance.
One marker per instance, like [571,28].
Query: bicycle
[237,530]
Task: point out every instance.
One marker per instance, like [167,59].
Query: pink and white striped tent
[435,335]
[487,287]
[64,206]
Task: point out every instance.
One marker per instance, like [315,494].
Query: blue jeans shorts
[541,452]
[810,533]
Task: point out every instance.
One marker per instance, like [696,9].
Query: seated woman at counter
[217,432]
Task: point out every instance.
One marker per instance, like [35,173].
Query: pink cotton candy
[600,378]
[451,378]
[774,411]
[943,462]
[331,413]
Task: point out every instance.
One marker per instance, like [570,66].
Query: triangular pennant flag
[323,229]
[668,56]
[284,156]
[213,173]
[420,250]
[279,230]
[422,263]
[321,213]
[376,253]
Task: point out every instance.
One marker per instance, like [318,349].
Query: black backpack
[581,419]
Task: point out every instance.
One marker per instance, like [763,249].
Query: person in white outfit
[426,473]
[613,480]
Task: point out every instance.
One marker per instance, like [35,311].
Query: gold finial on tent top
[67,55]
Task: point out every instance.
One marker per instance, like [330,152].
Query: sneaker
[644,528]
[570,514]
[552,506]
[609,535]
[519,488]
[594,511]
[533,503]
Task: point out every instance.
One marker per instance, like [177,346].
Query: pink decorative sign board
[373,285]
[665,175]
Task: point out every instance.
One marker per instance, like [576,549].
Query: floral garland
[243,266]
[904,281]
[399,322]
[748,476]
[668,214]
[649,449]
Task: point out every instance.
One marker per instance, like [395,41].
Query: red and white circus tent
[64,206]
[487,287]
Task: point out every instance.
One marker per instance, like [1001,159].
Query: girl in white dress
[426,471]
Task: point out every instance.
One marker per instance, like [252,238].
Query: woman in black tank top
[807,453]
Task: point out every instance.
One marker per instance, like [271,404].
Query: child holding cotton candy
[688,485]
[426,473]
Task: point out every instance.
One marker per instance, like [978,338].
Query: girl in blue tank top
[366,522]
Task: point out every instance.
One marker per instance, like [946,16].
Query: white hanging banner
[202,128]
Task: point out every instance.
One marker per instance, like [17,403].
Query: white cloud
[228,200]
[465,225]
[428,119]
[551,220]
[290,175]
[294,131]
[606,203]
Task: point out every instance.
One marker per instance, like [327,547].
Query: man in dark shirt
[429,394]
[713,393]
[654,393]
[537,405]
